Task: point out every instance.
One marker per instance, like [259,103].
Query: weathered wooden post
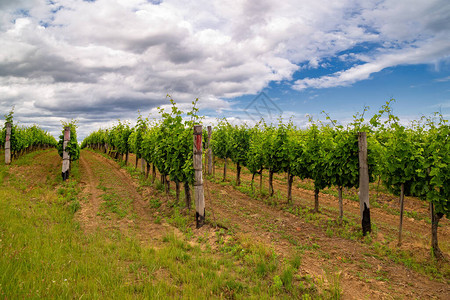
[364,183]
[66,157]
[198,183]
[209,151]
[8,144]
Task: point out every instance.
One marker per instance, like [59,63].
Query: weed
[261,269]
[154,203]
[286,277]
[329,232]
[296,261]
[178,220]
[158,220]
[115,204]
[334,290]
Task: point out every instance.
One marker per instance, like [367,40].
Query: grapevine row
[25,138]
[165,143]
[409,160]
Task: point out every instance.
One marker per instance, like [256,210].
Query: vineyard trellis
[23,139]
[413,159]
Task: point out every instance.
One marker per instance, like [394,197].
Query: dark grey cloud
[101,106]
[438,18]
[55,67]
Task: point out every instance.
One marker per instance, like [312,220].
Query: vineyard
[25,139]
[411,161]
[287,211]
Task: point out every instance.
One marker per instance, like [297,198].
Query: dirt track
[102,174]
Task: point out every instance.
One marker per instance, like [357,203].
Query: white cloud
[412,55]
[444,79]
[72,58]
[445,104]
[411,33]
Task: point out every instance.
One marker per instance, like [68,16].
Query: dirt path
[89,208]
[105,177]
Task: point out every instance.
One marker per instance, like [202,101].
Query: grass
[115,204]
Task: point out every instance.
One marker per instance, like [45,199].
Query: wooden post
[198,183]
[66,157]
[209,151]
[8,144]
[402,197]
[364,183]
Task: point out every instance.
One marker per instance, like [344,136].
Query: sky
[104,60]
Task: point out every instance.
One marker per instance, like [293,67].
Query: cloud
[444,79]
[445,104]
[79,59]
[408,34]
[412,55]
